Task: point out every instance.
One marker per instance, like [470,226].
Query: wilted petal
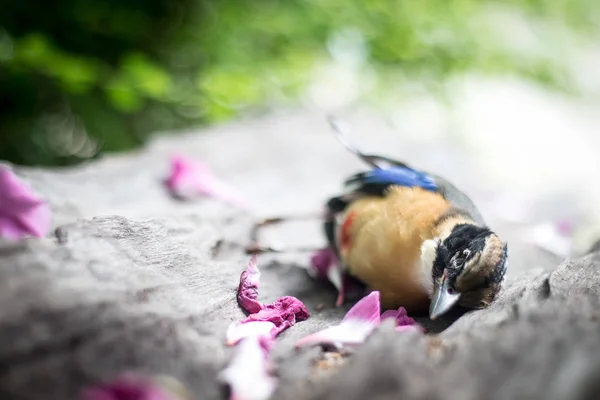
[247,375]
[283,313]
[356,326]
[248,289]
[194,178]
[238,331]
[349,332]
[546,236]
[136,387]
[402,319]
[565,227]
[324,264]
[400,316]
[389,314]
[22,212]
[321,261]
[367,309]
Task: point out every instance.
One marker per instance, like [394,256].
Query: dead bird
[411,235]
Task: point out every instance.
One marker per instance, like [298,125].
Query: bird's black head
[468,269]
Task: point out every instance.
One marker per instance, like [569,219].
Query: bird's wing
[391,172]
[375,182]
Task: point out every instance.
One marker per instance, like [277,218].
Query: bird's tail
[341,134]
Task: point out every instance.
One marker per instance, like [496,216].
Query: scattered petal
[403,322]
[194,178]
[324,264]
[547,237]
[389,314]
[565,227]
[248,289]
[283,313]
[22,212]
[359,322]
[135,387]
[321,261]
[247,375]
[350,332]
[402,319]
[238,331]
[400,316]
[367,309]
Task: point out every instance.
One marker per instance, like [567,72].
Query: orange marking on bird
[345,230]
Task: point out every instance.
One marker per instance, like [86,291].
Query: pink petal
[348,332]
[356,326]
[403,322]
[402,318]
[22,212]
[321,261]
[128,387]
[546,236]
[194,178]
[248,289]
[389,314]
[238,331]
[248,374]
[325,264]
[564,227]
[283,313]
[366,309]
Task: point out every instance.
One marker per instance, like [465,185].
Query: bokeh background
[80,78]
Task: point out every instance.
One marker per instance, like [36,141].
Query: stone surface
[133,279]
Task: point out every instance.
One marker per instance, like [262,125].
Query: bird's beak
[442,299]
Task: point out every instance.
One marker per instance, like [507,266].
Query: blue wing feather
[401,176]
[377,180]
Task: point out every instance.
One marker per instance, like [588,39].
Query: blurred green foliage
[78,78]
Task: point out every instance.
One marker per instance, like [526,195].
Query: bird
[413,236]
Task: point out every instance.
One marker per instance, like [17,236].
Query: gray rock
[133,279]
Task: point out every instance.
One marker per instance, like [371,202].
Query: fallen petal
[283,313]
[366,309]
[189,178]
[389,314]
[403,322]
[135,387]
[324,264]
[248,289]
[247,375]
[356,326]
[22,212]
[238,331]
[349,332]
[547,237]
[402,318]
[565,227]
[321,261]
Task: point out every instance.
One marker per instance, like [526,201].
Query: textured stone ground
[132,279]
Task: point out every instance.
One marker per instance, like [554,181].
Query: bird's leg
[255,246]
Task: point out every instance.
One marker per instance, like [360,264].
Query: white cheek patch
[428,254]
